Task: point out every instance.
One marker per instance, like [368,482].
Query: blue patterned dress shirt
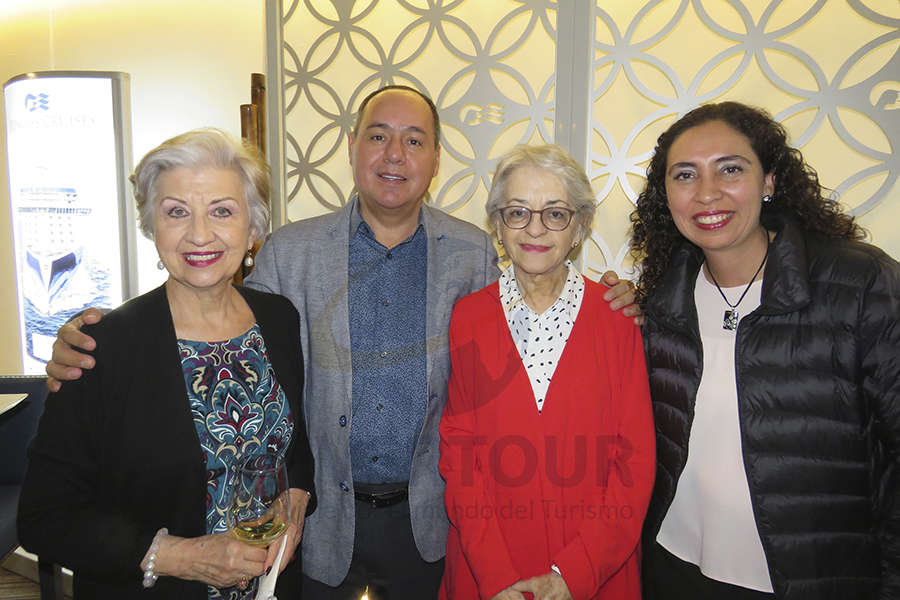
[387,346]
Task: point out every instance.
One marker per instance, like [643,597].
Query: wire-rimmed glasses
[554,218]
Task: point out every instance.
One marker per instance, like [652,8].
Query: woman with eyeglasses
[547,439]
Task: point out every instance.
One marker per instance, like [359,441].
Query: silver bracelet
[149,576]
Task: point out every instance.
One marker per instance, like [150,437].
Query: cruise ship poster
[66,191]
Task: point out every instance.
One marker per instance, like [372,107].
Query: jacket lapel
[786,279]
[673,302]
[329,322]
[439,291]
[159,345]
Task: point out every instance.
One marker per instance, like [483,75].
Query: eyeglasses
[554,218]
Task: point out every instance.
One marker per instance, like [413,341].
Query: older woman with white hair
[131,471]
[547,438]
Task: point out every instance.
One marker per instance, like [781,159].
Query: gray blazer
[307,262]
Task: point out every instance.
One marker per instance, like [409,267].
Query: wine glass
[260,505]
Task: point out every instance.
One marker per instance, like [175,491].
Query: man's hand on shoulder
[620,295]
[67,361]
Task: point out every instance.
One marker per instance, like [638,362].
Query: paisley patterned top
[238,409]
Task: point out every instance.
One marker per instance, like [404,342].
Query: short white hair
[555,160]
[196,149]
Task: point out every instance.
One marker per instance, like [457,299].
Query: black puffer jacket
[818,378]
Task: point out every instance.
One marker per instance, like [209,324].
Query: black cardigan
[116,455]
[819,402]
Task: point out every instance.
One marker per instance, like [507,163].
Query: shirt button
[385,302]
[383,354]
[374,459]
[379,406]
[390,256]
[344,486]
[343,421]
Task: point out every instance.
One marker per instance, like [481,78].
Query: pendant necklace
[730,320]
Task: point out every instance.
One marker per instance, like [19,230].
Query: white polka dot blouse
[541,338]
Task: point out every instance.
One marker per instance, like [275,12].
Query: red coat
[568,486]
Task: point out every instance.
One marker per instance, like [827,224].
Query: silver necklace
[730,320]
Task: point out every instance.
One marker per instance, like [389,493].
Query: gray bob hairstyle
[207,147]
[555,160]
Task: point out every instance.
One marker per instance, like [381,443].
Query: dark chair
[17,426]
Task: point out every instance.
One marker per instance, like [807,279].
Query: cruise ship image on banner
[53,250]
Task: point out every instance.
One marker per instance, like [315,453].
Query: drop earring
[160,265]
[248,260]
[767,199]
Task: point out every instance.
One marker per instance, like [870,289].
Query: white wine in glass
[260,506]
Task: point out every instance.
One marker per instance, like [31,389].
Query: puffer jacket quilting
[818,377]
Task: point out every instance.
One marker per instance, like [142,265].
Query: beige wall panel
[489,66]
[829,70]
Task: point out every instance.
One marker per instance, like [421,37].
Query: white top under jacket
[710,521]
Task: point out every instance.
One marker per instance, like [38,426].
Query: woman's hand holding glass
[260,506]
[294,532]
[218,559]
[258,515]
[263,508]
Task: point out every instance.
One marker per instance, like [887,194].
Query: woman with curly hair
[773,349]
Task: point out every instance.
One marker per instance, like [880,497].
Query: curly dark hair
[798,194]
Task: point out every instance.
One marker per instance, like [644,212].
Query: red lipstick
[713,219]
[201,259]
